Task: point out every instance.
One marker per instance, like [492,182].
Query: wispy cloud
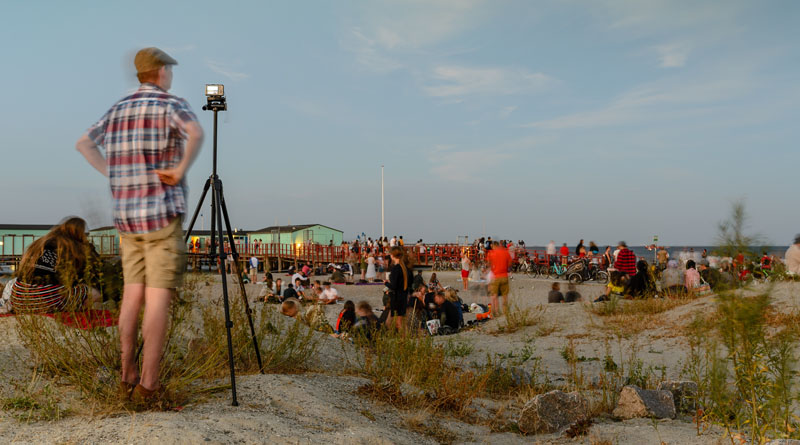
[223,69]
[368,53]
[673,55]
[390,30]
[461,81]
[652,102]
[451,164]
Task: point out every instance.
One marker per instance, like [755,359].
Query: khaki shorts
[155,259]
[499,286]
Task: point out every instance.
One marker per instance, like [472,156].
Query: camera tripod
[219,211]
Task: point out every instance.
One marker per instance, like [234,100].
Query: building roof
[26,226]
[103,228]
[196,232]
[290,229]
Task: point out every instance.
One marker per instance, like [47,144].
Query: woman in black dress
[398,285]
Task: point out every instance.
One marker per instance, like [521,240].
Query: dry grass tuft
[517,318]
[630,317]
[411,371]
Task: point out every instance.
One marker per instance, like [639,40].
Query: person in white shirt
[393,241]
[329,295]
[551,248]
[299,276]
[253,269]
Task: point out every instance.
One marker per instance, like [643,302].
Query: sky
[604,120]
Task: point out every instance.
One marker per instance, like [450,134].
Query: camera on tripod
[215,95]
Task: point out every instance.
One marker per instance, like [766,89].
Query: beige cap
[149,59]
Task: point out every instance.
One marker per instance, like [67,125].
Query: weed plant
[743,369]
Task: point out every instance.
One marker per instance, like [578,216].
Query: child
[555,295]
[616,285]
[572,295]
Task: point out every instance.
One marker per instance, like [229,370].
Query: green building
[298,234]
[15,238]
[105,240]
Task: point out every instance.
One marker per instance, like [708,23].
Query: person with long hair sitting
[52,272]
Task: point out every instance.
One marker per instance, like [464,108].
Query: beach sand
[321,406]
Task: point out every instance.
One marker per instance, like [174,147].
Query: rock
[552,412]
[520,376]
[784,442]
[637,402]
[684,394]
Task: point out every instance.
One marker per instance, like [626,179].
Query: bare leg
[505,304]
[465,282]
[398,323]
[154,329]
[495,307]
[132,299]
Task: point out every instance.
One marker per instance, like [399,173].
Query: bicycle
[556,270]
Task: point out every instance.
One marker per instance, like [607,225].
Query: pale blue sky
[537,120]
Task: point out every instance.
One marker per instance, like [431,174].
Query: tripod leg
[197,210]
[213,239]
[238,272]
[228,323]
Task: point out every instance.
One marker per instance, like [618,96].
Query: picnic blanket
[93,318]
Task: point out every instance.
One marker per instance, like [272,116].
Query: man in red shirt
[564,253]
[500,261]
[626,260]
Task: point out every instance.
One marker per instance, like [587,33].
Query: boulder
[637,402]
[552,412]
[684,394]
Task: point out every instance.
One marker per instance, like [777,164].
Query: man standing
[500,261]
[626,260]
[150,138]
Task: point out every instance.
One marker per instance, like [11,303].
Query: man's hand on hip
[170,176]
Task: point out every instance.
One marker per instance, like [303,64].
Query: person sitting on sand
[314,316]
[52,273]
[329,295]
[710,275]
[447,312]
[417,313]
[451,295]
[299,289]
[692,276]
[367,323]
[346,319]
[640,285]
[419,280]
[304,280]
[433,283]
[290,293]
[615,287]
[572,295]
[672,280]
[274,292]
[555,295]
[316,290]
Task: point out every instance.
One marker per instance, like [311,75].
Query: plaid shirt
[141,133]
